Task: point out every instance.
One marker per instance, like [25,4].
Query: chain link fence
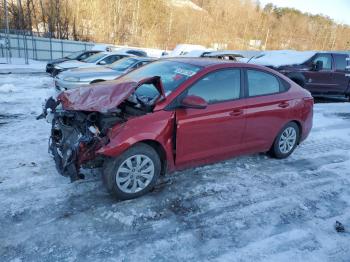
[31,45]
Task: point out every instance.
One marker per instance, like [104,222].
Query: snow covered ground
[250,208]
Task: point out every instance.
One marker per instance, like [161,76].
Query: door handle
[236,112]
[283,104]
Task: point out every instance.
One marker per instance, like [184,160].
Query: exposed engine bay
[76,135]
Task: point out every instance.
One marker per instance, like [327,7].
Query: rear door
[340,79]
[322,81]
[267,109]
[213,133]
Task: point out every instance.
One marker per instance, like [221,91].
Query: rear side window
[111,59]
[261,83]
[218,86]
[340,62]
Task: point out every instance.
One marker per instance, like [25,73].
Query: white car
[99,59]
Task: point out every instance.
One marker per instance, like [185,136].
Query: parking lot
[250,208]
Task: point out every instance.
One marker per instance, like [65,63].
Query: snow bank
[7,88]
[19,65]
[282,57]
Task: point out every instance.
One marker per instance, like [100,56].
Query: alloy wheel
[287,140]
[135,173]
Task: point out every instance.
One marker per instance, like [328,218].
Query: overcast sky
[339,10]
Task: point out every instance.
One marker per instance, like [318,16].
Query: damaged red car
[174,114]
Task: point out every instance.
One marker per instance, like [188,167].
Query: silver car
[84,76]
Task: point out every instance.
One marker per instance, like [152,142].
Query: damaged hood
[105,96]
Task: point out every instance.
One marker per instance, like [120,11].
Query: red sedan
[174,114]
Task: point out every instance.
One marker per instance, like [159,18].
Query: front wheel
[133,173]
[286,141]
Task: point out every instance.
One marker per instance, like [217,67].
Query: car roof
[118,53]
[200,61]
[143,58]
[224,52]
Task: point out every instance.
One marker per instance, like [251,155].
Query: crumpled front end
[76,136]
[82,118]
[73,142]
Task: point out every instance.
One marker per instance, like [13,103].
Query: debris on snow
[339,227]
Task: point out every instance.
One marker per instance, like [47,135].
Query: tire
[133,173]
[283,145]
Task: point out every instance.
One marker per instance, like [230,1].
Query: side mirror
[194,102]
[102,62]
[318,65]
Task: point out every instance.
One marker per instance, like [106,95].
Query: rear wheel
[133,173]
[286,141]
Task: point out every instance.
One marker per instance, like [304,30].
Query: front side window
[326,60]
[111,59]
[261,83]
[222,85]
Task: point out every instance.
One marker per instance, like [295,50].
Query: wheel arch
[298,123]
[158,147]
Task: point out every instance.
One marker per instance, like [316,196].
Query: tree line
[228,24]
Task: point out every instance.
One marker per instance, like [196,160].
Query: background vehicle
[84,76]
[99,59]
[322,73]
[74,56]
[173,114]
[226,55]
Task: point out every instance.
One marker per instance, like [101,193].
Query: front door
[321,81]
[214,133]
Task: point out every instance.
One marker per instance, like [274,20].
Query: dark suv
[80,55]
[325,73]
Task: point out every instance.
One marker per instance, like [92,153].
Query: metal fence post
[61,48]
[50,46]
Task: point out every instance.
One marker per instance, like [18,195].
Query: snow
[183,49]
[19,65]
[249,208]
[282,57]
[186,4]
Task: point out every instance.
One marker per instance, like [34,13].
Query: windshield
[93,58]
[74,55]
[123,64]
[171,73]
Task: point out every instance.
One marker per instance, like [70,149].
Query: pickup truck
[325,73]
